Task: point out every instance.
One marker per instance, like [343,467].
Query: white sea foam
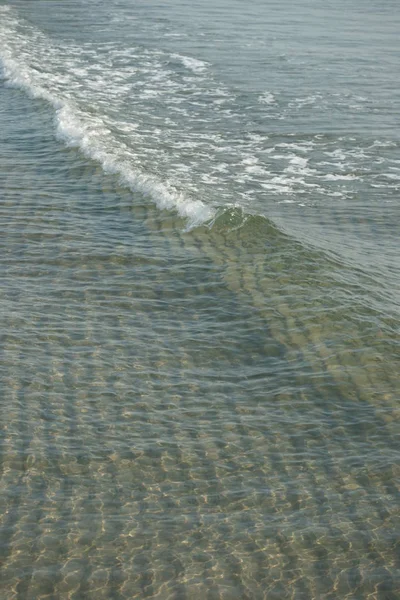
[337,154]
[339,177]
[297,164]
[250,160]
[91,140]
[171,130]
[393,176]
[306,101]
[266,98]
[383,144]
[279,184]
[299,147]
[193,64]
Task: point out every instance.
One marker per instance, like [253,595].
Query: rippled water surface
[199,301]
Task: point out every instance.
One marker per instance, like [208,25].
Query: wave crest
[76,127]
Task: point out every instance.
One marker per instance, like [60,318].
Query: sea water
[199,302]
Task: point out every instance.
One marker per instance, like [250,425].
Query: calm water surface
[199,302]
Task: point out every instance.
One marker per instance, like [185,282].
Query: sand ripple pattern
[187,415]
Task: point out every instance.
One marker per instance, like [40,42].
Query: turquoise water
[199,308]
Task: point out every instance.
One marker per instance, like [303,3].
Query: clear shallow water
[203,401]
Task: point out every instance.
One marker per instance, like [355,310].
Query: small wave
[92,136]
[339,177]
[193,64]
[267,98]
[74,132]
[259,227]
[298,165]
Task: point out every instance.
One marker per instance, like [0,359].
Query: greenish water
[196,403]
